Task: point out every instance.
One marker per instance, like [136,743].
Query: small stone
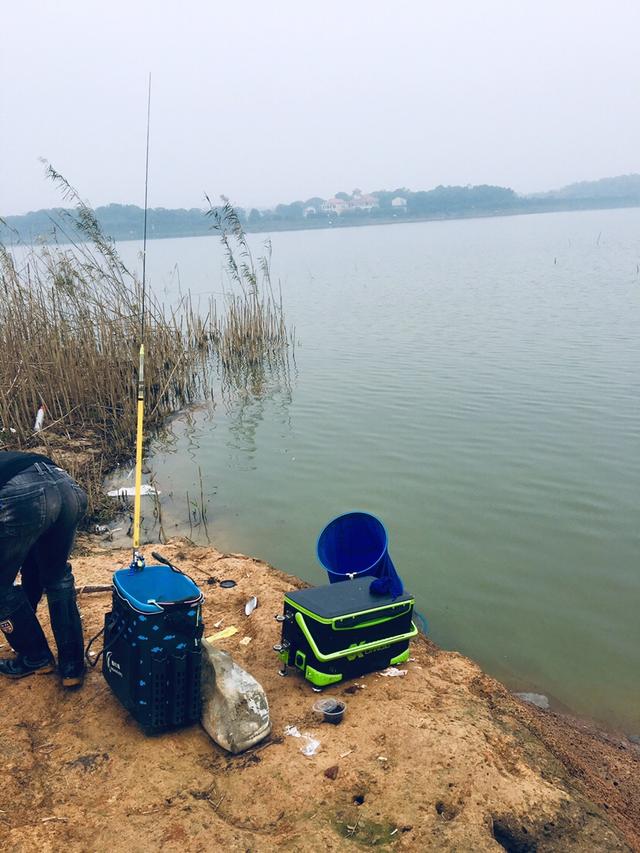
[331,772]
[537,699]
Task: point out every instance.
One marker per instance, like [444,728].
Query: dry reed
[69,339]
[252,339]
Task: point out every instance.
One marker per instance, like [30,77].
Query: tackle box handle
[364,620]
[365,647]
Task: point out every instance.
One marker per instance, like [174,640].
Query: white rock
[538,699]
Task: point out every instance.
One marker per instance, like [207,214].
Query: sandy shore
[442,759]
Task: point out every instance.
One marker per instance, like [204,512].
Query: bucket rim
[347,515]
[151,606]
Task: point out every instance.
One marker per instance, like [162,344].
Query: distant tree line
[125,221]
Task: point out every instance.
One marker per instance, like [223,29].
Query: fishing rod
[137,561]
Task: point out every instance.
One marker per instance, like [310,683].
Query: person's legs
[30,578]
[52,551]
[24,513]
[55,543]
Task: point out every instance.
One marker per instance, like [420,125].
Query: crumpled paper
[394,672]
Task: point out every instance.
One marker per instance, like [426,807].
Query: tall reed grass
[252,338]
[69,340]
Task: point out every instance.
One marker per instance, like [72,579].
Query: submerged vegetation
[70,333]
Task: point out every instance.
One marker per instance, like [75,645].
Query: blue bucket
[155,588]
[352,546]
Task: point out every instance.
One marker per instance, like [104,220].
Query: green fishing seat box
[339,631]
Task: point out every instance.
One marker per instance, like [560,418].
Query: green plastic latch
[284,656]
[401,658]
[321,679]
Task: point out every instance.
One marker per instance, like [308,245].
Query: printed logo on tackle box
[113,665]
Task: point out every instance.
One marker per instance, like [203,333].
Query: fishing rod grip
[161,559]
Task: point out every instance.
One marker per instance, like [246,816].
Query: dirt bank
[443,758]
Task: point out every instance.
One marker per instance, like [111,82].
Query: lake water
[475,384]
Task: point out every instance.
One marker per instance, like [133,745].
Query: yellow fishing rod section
[139,443]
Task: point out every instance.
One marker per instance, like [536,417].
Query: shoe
[25,636]
[21,665]
[71,674]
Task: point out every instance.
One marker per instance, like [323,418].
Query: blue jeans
[39,512]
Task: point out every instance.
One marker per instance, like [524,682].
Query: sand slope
[442,759]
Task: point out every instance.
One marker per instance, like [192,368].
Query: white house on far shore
[335,205]
[399,202]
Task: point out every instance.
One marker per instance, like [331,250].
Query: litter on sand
[129,491]
[245,641]
[393,672]
[251,605]
[310,746]
[229,631]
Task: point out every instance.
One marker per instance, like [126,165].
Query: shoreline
[89,541]
[402,219]
[444,758]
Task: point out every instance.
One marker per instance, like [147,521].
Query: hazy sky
[278,101]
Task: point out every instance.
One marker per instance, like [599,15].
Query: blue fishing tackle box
[152,651]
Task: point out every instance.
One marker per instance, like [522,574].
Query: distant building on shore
[358,201]
[335,205]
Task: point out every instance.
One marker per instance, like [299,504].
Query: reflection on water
[245,407]
[187,494]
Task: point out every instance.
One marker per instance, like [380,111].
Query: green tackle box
[339,631]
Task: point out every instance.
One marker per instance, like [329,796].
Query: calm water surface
[476,385]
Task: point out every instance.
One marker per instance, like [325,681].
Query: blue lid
[153,584]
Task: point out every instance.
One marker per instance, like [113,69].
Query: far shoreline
[305,225]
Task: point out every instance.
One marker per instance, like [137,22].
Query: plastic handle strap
[112,641]
[365,647]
